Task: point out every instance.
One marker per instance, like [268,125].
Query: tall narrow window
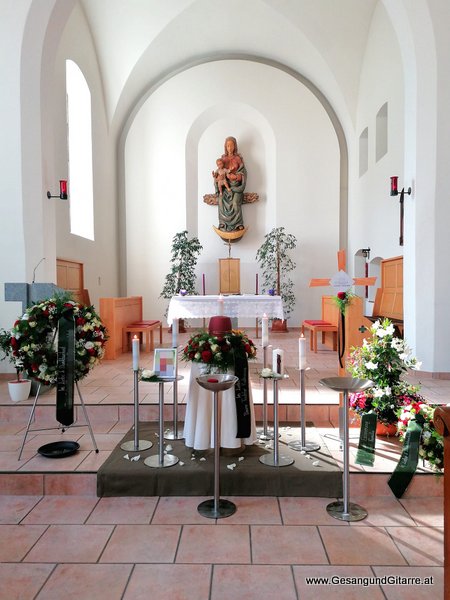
[382,132]
[80,152]
[363,152]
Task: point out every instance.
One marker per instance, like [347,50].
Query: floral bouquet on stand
[431,443]
[384,359]
[218,352]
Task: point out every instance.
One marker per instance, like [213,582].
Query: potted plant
[19,388]
[383,359]
[276,264]
[181,278]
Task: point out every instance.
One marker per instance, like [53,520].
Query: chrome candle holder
[216,508]
[346,510]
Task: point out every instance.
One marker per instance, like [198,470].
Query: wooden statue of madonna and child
[230,178]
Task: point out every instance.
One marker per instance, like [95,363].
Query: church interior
[127,125]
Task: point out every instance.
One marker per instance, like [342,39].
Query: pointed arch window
[80,152]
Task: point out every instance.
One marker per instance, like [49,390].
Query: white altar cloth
[245,305]
[199,418]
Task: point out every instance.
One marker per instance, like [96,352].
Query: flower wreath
[218,351]
[33,338]
[431,444]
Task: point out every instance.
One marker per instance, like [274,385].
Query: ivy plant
[276,264]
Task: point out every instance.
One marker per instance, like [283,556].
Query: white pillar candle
[302,352]
[175,333]
[265,331]
[135,350]
[220,311]
[278,361]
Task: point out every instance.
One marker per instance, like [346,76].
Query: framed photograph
[165,362]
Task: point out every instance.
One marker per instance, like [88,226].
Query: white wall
[373,213]
[99,256]
[291,153]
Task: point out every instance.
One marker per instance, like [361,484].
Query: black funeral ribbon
[407,465]
[65,370]
[241,392]
[341,340]
[365,455]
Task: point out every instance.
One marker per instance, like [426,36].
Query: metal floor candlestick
[265,433]
[136,445]
[276,459]
[302,444]
[61,427]
[161,460]
[174,433]
[216,508]
[346,510]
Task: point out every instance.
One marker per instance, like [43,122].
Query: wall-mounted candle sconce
[395,192]
[62,190]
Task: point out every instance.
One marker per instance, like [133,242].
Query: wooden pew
[389,296]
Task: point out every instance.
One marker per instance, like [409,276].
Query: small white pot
[19,390]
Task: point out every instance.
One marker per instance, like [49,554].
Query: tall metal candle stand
[174,434]
[302,444]
[136,445]
[216,508]
[346,510]
[276,459]
[264,433]
[161,460]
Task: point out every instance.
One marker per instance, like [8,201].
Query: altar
[198,426]
[199,419]
[239,306]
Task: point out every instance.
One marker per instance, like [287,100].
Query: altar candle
[203,285]
[278,361]
[302,352]
[265,331]
[175,333]
[220,311]
[257,285]
[135,349]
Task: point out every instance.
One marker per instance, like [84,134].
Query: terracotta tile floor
[60,541]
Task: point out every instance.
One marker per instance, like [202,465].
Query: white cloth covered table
[199,419]
[245,305]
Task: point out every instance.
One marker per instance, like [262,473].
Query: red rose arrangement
[343,299]
[218,352]
[32,339]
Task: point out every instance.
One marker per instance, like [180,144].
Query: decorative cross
[342,282]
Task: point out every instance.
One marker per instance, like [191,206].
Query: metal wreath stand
[64,393]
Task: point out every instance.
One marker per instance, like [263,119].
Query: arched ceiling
[140,42]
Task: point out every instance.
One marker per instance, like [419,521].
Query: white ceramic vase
[19,390]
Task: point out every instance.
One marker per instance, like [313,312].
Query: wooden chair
[319,326]
[145,331]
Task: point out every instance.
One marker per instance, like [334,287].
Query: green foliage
[185,253]
[275,263]
[383,359]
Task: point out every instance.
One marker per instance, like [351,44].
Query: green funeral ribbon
[365,454]
[65,370]
[407,465]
